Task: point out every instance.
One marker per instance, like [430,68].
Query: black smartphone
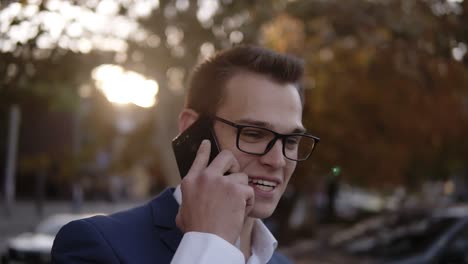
[186,144]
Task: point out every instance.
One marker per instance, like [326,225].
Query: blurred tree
[386,79]
[387,85]
[49,48]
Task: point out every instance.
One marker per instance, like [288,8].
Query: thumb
[179,220]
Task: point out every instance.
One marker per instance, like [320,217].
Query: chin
[262,211]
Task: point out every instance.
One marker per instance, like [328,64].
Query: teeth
[263,183]
[265,188]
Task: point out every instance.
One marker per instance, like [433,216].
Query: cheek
[245,160]
[289,170]
[226,140]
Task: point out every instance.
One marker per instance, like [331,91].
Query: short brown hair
[207,83]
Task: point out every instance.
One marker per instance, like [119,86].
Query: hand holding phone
[214,203]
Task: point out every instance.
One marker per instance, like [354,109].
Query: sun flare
[125,87]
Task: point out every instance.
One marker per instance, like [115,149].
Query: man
[255,103]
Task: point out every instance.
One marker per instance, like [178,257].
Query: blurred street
[24,217]
[317,251]
[330,243]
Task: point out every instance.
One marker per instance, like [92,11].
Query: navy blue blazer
[145,234]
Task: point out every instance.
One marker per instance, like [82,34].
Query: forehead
[250,96]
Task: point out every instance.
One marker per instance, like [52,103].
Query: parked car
[34,247]
[436,237]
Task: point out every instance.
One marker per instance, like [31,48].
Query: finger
[202,158]
[225,162]
[239,178]
[179,222]
[249,196]
[249,206]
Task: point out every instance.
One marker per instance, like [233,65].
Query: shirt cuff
[206,248]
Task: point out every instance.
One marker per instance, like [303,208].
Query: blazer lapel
[165,209]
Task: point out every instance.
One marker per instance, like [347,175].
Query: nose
[274,157]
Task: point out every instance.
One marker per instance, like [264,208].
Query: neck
[246,237]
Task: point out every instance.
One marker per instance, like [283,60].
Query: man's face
[252,99]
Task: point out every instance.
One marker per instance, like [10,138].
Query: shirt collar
[263,241]
[178,194]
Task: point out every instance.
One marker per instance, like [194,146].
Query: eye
[249,134]
[292,141]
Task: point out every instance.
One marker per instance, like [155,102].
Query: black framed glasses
[259,140]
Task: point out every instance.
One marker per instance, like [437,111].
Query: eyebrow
[258,123]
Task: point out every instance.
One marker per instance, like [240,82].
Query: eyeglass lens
[258,141]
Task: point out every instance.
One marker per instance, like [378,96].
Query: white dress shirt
[206,248]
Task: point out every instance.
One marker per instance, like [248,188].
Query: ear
[186,118]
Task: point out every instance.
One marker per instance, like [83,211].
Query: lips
[263,184]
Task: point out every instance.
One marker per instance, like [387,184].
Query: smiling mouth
[263,185]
